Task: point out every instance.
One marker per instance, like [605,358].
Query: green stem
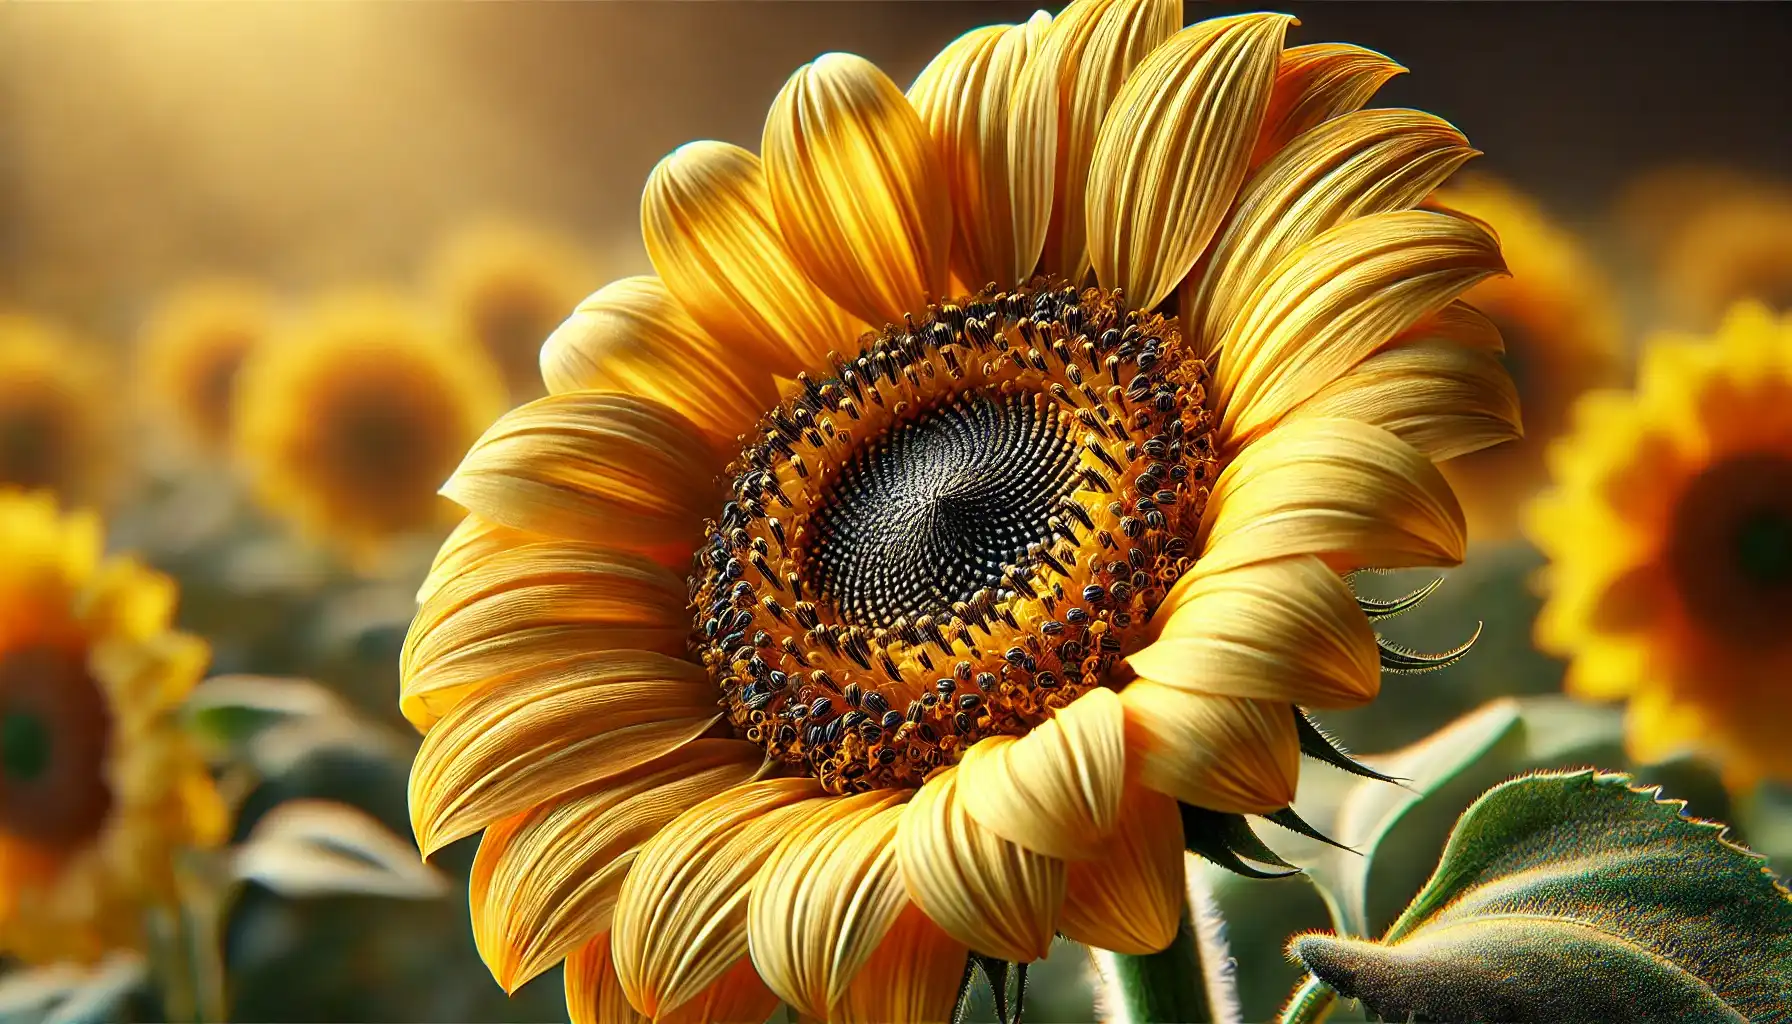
[1167,987]
[1311,1003]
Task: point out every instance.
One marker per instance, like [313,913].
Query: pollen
[953,533]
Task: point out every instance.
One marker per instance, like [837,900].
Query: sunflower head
[350,420]
[191,350]
[1559,320]
[57,412]
[509,286]
[1669,535]
[1735,247]
[947,534]
[99,785]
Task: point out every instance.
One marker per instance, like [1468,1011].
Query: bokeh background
[318,149]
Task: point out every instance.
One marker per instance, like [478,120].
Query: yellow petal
[592,465]
[1315,83]
[1442,399]
[1174,150]
[1223,753]
[737,997]
[1336,300]
[546,880]
[472,541]
[1130,900]
[1372,161]
[1057,789]
[860,196]
[1059,103]
[528,740]
[707,219]
[632,336]
[681,920]
[593,995]
[994,896]
[1351,493]
[1288,630]
[515,612]
[963,97]
[825,900]
[912,976]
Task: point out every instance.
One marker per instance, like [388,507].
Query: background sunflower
[59,416]
[191,351]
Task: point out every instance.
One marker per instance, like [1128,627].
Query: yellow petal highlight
[593,995]
[526,741]
[592,465]
[517,612]
[1130,900]
[825,900]
[1372,161]
[1315,83]
[912,976]
[860,196]
[994,896]
[547,880]
[681,919]
[1442,399]
[707,219]
[1174,150]
[1351,493]
[963,96]
[1057,789]
[1288,630]
[1223,753]
[473,540]
[1336,300]
[632,336]
[1059,103]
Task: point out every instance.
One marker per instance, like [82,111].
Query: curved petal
[1223,753]
[527,740]
[1057,789]
[593,995]
[1372,161]
[994,896]
[707,219]
[826,898]
[860,196]
[737,997]
[963,99]
[592,465]
[1335,301]
[516,612]
[1130,900]
[1287,630]
[632,336]
[1174,150]
[912,976]
[1315,83]
[1351,493]
[681,920]
[473,540]
[546,880]
[1441,398]
[1059,103]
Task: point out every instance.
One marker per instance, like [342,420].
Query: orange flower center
[954,533]
[1730,548]
[54,730]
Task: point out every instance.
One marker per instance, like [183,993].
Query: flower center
[1731,547]
[54,731]
[953,534]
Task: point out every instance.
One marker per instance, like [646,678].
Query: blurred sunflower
[99,785]
[1669,535]
[191,351]
[1738,247]
[349,422]
[1563,334]
[57,423]
[510,286]
[994,613]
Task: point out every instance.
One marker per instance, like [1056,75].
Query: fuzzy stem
[1163,987]
[1311,1003]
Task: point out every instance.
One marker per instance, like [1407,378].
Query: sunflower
[350,421]
[1562,329]
[1736,247]
[510,286]
[56,413]
[1003,583]
[191,350]
[1669,537]
[99,786]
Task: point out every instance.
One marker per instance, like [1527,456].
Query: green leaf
[318,848]
[1572,897]
[276,723]
[71,993]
